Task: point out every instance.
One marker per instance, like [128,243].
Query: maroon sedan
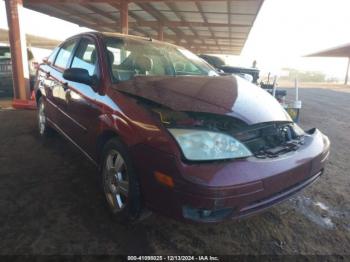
[169,134]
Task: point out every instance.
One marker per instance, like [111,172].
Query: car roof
[122,36]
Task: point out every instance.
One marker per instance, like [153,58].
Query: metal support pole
[161,33]
[296,89]
[347,72]
[124,27]
[19,56]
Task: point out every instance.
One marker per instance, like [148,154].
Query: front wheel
[120,184]
[44,129]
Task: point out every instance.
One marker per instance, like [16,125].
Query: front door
[82,111]
[57,86]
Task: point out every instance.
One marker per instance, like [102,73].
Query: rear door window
[64,54]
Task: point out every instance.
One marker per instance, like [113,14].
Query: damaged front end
[214,182]
[263,140]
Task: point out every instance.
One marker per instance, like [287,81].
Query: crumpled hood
[229,95]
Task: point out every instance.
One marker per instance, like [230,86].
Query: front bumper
[213,192]
[218,214]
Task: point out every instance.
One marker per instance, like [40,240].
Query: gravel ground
[50,202]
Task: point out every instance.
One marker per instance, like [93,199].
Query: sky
[284,31]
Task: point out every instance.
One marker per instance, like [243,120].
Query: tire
[44,129]
[120,183]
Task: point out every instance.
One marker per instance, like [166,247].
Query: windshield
[136,57]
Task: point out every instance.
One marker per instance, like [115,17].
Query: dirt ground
[50,202]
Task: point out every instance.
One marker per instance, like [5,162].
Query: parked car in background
[250,74]
[6,84]
[169,134]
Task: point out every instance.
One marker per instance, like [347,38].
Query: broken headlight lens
[205,145]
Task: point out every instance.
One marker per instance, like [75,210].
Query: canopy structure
[203,26]
[220,27]
[32,40]
[339,51]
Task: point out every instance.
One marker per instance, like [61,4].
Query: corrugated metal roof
[220,26]
[339,51]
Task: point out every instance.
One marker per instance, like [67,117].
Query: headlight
[205,145]
[298,130]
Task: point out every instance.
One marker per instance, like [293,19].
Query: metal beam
[229,18]
[209,38]
[158,26]
[18,46]
[124,10]
[87,21]
[159,16]
[204,12]
[192,38]
[175,24]
[117,6]
[200,9]
[164,11]
[177,38]
[173,8]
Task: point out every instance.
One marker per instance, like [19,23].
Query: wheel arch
[102,139]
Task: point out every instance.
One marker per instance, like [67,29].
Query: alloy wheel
[41,119]
[116,181]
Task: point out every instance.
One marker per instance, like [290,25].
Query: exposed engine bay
[264,140]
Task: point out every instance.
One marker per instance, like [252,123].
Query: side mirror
[222,73]
[247,77]
[79,75]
